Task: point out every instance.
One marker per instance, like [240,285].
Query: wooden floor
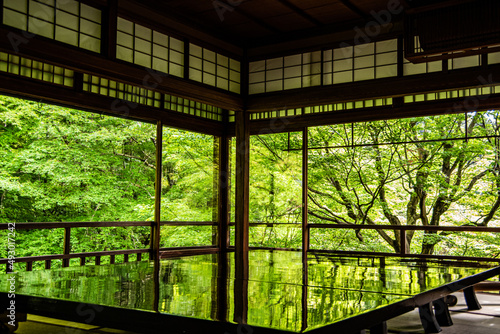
[42,325]
[484,321]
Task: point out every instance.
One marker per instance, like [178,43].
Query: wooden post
[224,189]
[305,227]
[67,245]
[242,225]
[242,194]
[155,227]
[48,264]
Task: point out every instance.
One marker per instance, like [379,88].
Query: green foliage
[431,171]
[276,190]
[59,164]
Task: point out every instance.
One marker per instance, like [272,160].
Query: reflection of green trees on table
[334,289]
[58,164]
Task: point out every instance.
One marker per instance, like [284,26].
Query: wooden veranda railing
[67,255]
[403,229]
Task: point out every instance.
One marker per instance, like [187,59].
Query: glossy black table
[283,293]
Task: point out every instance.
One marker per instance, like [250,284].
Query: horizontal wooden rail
[41,226]
[270,224]
[67,255]
[76,255]
[187,251]
[409,227]
[82,256]
[173,223]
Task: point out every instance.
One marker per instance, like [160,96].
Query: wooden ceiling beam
[362,90]
[355,9]
[301,13]
[258,21]
[419,109]
[327,37]
[67,97]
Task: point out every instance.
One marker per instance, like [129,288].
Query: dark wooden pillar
[305,227]
[67,246]
[242,193]
[223,195]
[241,219]
[155,227]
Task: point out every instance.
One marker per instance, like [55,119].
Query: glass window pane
[125,40]
[272,86]
[387,46]
[90,28]
[176,45]
[67,36]
[342,53]
[387,58]
[195,50]
[19,5]
[124,54]
[386,71]
[68,6]
[125,26]
[160,65]
[142,59]
[257,66]
[15,19]
[67,20]
[341,77]
[274,63]
[143,32]
[342,65]
[41,28]
[234,87]
[293,60]
[176,57]
[364,49]
[177,70]
[90,13]
[209,55]
[41,11]
[160,39]
[234,65]
[90,43]
[195,75]
[142,45]
[274,74]
[257,88]
[361,62]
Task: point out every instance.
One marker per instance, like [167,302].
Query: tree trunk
[428,248]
